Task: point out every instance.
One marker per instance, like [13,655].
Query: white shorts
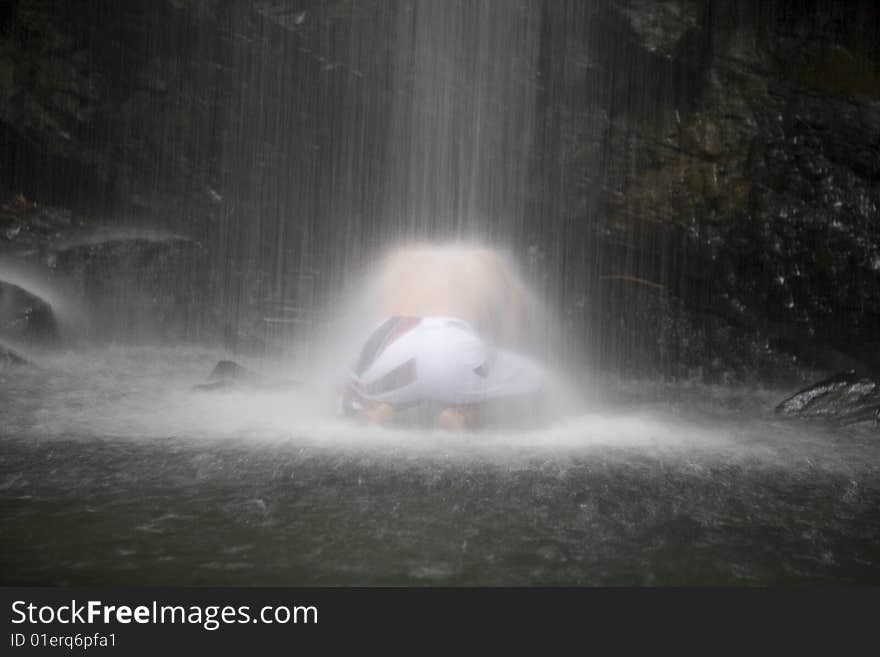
[409,360]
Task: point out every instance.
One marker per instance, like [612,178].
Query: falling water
[329,134]
[424,132]
[462,120]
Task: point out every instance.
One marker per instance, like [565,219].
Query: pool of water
[113,471]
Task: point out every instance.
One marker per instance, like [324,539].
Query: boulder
[24,316]
[9,358]
[229,374]
[141,284]
[846,398]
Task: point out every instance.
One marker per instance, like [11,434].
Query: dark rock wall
[99,110]
[706,174]
[726,173]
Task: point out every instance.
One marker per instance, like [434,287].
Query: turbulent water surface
[114,471]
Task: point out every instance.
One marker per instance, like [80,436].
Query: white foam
[145,394]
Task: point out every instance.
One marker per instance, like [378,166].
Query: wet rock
[800,250]
[229,370]
[27,227]
[25,316]
[846,398]
[229,374]
[752,198]
[660,26]
[10,358]
[143,284]
[658,335]
[70,74]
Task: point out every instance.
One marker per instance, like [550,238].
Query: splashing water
[148,481]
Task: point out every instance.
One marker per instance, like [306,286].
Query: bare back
[473,284]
